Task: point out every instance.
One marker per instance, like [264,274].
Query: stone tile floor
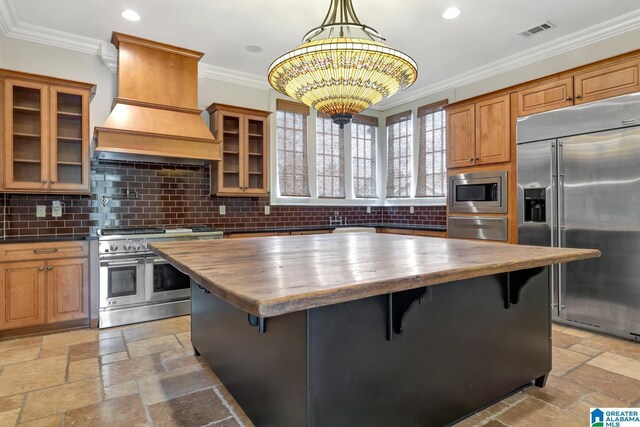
[146,374]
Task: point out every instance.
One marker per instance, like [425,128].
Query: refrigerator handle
[560,217]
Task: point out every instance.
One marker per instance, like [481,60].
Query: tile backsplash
[152,194]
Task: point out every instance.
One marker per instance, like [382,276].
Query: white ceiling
[487,30]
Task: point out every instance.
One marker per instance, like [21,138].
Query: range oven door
[121,282]
[478,192]
[165,282]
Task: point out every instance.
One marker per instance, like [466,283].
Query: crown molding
[109,56]
[602,31]
[231,76]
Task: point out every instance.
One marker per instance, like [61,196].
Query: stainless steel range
[135,284]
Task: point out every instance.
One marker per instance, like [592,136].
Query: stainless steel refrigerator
[579,186]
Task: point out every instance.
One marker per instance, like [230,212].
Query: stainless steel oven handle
[119,263]
[159,261]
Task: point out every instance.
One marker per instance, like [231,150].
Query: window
[330,158]
[432,172]
[291,146]
[363,158]
[399,158]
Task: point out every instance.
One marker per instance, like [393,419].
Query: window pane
[432,172]
[400,153]
[330,158]
[291,147]
[363,141]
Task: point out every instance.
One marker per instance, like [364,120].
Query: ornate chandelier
[342,67]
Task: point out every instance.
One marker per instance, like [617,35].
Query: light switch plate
[56,209]
[223,210]
[41,211]
[368,209]
[411,209]
[267,210]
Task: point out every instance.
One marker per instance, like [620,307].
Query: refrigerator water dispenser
[534,205]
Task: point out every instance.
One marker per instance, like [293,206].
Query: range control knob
[126,246]
[136,247]
[144,245]
[113,247]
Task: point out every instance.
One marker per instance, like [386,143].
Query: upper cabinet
[245,146]
[46,134]
[479,133]
[614,80]
[545,97]
[592,83]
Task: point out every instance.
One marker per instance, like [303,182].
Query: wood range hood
[156,112]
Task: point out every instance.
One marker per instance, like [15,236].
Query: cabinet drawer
[43,251]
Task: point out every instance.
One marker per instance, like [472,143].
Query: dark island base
[425,357]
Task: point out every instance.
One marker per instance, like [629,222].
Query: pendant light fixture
[342,67]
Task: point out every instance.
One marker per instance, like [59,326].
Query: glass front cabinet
[46,134]
[245,146]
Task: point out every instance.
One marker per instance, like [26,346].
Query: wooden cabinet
[461,150]
[46,135]
[593,83]
[43,284]
[606,82]
[546,96]
[245,147]
[22,294]
[493,131]
[67,296]
[479,133]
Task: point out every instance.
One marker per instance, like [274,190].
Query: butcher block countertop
[270,276]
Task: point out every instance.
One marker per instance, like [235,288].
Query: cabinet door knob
[578,96]
[569,98]
[53,182]
[41,268]
[44,181]
[471,159]
[49,268]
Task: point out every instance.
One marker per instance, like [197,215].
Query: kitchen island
[369,329]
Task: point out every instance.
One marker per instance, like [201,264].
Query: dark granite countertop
[40,239]
[333,227]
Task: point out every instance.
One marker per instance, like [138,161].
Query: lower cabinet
[41,287]
[67,296]
[22,294]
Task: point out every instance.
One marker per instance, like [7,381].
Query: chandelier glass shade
[342,67]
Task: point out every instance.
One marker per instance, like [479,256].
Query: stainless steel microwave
[478,192]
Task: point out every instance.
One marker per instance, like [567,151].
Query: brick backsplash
[176,195]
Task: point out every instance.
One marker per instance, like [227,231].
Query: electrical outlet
[56,209]
[223,210]
[368,209]
[411,209]
[267,210]
[41,211]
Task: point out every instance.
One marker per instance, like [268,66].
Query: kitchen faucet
[337,219]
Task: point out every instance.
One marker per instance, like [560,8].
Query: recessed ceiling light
[254,48]
[451,13]
[130,15]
